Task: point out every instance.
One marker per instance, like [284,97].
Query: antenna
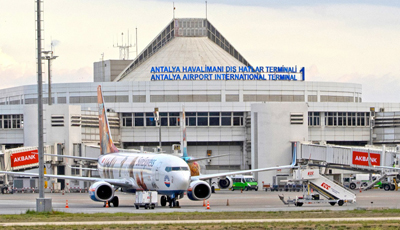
[206,9]
[136,44]
[123,48]
[102,66]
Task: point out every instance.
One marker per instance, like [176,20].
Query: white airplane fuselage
[166,174]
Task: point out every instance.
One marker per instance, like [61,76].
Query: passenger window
[168,169]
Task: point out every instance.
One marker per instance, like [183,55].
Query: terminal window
[314,119]
[172,119]
[11,121]
[359,119]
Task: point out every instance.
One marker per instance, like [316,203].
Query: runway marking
[204,221]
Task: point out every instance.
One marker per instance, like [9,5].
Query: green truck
[244,183]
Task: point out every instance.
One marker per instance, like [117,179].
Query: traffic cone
[204,203]
[227,202]
[107,204]
[66,204]
[208,205]
[360,190]
[241,190]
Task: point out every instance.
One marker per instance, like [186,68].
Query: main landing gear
[114,201]
[173,203]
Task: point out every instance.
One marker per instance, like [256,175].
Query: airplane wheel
[298,204]
[163,201]
[115,201]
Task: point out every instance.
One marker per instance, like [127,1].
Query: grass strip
[56,216]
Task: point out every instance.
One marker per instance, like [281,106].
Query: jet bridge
[348,157]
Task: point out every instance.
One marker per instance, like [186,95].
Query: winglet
[294,154]
[106,142]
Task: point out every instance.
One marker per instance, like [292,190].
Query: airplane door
[158,171]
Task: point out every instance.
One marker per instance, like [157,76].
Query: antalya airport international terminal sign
[226,73]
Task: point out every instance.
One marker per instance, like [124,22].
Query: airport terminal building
[254,115]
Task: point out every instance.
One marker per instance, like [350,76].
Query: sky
[336,41]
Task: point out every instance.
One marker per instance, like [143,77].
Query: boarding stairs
[324,186]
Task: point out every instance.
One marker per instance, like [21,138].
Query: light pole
[158,123]
[42,204]
[49,56]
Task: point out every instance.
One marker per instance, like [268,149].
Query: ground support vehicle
[315,186]
[244,183]
[387,182]
[146,199]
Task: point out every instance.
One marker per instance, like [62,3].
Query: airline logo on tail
[106,143]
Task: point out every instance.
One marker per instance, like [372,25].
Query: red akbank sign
[24,158]
[361,158]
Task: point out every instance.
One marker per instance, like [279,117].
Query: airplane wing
[116,182]
[386,167]
[215,175]
[73,157]
[89,169]
[204,158]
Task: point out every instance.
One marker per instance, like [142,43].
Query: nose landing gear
[173,203]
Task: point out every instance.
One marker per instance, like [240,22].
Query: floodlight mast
[42,204]
[40,101]
[49,57]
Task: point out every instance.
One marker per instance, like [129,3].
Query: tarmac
[223,200]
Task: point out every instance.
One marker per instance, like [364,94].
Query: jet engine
[199,190]
[225,183]
[101,191]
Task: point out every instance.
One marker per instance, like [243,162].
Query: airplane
[167,174]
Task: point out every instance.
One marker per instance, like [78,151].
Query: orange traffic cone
[208,205]
[66,204]
[204,203]
[360,190]
[107,204]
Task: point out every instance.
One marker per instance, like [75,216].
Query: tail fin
[106,143]
[294,146]
[184,141]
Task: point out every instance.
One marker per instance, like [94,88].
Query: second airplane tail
[106,142]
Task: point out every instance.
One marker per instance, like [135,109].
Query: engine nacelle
[101,191]
[225,183]
[199,190]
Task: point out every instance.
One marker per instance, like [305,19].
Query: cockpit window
[169,169]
